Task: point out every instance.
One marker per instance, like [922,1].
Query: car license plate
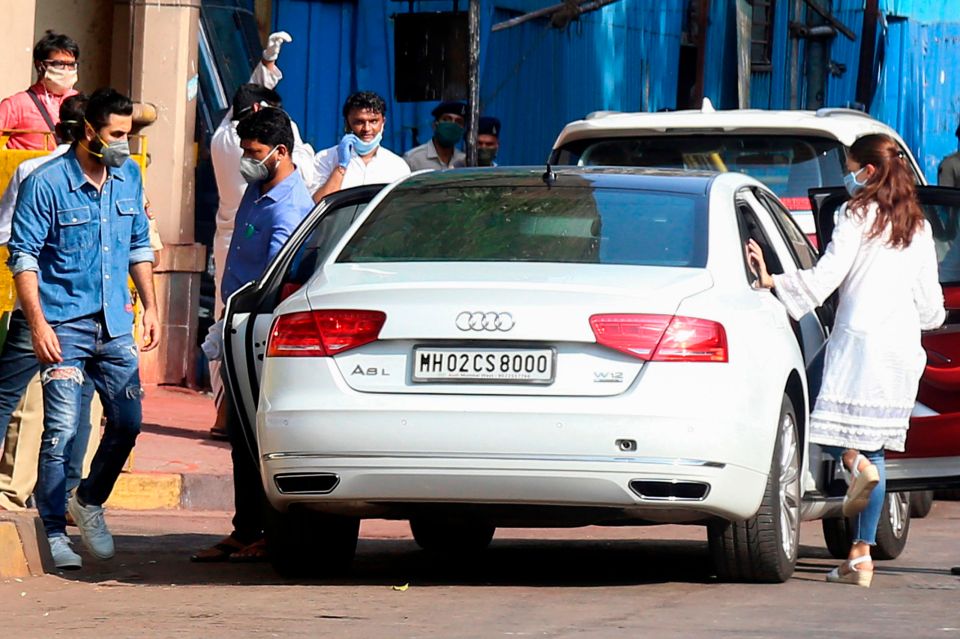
[495,366]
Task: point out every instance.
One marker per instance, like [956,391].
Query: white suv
[789,151]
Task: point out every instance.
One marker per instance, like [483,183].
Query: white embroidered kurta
[874,358]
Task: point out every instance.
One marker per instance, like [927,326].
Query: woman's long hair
[892,187]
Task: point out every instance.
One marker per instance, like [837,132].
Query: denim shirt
[80,241]
[263,225]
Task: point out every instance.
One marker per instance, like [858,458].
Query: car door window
[794,238]
[317,246]
[751,228]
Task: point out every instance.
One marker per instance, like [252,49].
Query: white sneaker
[63,555]
[93,528]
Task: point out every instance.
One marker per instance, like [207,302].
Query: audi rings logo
[480,321]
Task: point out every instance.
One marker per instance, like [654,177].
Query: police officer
[440,152]
[488,140]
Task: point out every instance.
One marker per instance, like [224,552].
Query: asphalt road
[583,583]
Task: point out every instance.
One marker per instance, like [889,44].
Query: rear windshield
[534,224]
[789,165]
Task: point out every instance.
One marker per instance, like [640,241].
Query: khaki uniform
[21,450]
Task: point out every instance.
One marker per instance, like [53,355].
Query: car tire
[305,543]
[892,531]
[451,536]
[764,547]
[921,502]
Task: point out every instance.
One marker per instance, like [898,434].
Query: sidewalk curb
[172,491]
[22,554]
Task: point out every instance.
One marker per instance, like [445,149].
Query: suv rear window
[534,224]
[789,165]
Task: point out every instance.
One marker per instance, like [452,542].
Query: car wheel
[921,501]
[305,543]
[442,535]
[892,530]
[764,547]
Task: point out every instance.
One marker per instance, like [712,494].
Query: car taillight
[796,203]
[662,338]
[323,333]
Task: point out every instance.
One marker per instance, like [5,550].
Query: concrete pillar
[155,61]
[16,46]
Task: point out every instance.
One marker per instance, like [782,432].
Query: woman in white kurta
[882,259]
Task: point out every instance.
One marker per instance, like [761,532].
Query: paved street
[593,582]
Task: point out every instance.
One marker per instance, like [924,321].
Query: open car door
[249,311]
[932,456]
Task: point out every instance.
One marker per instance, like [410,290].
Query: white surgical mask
[59,81]
[851,182]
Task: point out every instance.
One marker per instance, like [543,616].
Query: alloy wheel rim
[789,487]
[899,503]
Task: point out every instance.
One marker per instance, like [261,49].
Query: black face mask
[486,156]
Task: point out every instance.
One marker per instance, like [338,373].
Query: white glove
[212,345]
[274,42]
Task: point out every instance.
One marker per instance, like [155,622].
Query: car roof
[647,179]
[843,125]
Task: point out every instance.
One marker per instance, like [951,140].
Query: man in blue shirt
[274,204]
[79,227]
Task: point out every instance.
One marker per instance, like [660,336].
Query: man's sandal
[219,552]
[853,576]
[862,483]
[251,553]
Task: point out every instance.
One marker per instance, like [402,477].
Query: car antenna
[549,177]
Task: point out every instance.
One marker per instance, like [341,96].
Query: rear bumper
[383,485]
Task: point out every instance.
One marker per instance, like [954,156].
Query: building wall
[16,48]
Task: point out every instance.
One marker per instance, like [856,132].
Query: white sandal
[862,483]
[854,577]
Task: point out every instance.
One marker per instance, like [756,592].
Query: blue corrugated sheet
[918,45]
[919,93]
[533,77]
[623,57]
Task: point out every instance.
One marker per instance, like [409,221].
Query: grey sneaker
[93,528]
[63,555]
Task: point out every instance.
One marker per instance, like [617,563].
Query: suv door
[249,311]
[932,456]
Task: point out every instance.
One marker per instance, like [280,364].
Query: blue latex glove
[345,149]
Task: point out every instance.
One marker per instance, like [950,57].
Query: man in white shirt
[359,158]
[441,152]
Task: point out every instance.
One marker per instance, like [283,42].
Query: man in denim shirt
[79,227]
[274,204]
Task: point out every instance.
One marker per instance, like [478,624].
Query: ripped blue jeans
[113,366]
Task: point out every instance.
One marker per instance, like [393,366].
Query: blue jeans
[18,365]
[865,523]
[113,366]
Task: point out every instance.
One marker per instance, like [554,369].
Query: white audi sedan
[513,347]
